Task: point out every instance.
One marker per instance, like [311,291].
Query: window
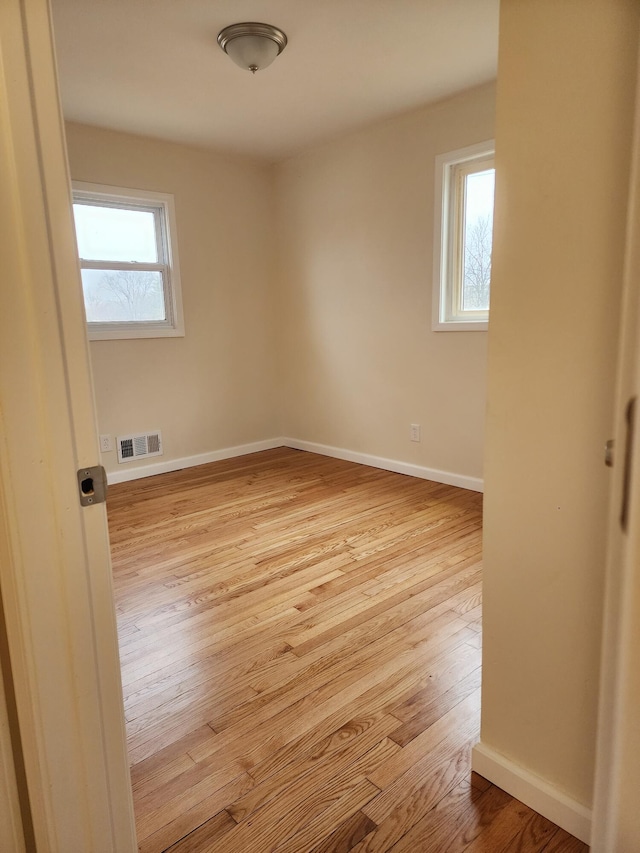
[462,240]
[128,261]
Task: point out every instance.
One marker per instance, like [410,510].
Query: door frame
[55,577]
[615,822]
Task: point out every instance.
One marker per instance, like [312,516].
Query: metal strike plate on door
[608,453]
[92,485]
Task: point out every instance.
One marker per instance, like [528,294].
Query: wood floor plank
[284,592]
[436,590]
[205,837]
[338,751]
[342,806]
[479,782]
[157,811]
[456,666]
[415,795]
[533,835]
[459,724]
[562,842]
[201,636]
[456,820]
[515,828]
[326,627]
[426,626]
[304,804]
[165,728]
[401,684]
[367,686]
[435,704]
[349,833]
[476,642]
[144,772]
[183,825]
[300,645]
[346,666]
[166,771]
[211,676]
[450,824]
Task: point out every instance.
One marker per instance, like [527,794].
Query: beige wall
[358,360]
[215,387]
[564,113]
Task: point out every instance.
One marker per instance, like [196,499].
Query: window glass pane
[123,296]
[478,229]
[115,234]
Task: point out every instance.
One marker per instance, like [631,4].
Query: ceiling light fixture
[252,46]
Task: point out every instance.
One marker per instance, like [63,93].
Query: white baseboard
[125,473]
[533,791]
[475,484]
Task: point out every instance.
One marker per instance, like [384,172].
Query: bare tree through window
[477,265]
[124,295]
[136,292]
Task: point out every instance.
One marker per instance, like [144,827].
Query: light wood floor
[300,644]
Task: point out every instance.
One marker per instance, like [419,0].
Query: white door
[55,574]
[616,816]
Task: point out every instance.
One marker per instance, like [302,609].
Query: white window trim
[173,326]
[443,226]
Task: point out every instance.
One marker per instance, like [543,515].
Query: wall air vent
[138,446]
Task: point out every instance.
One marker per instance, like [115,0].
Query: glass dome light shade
[252,46]
[252,52]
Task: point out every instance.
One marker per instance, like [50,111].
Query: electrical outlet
[415,432]
[105,443]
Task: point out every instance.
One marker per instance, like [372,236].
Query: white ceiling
[153,67]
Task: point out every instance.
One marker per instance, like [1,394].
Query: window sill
[461,326]
[98,332]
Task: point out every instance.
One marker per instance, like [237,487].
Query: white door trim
[615,825]
[56,582]
[12,820]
